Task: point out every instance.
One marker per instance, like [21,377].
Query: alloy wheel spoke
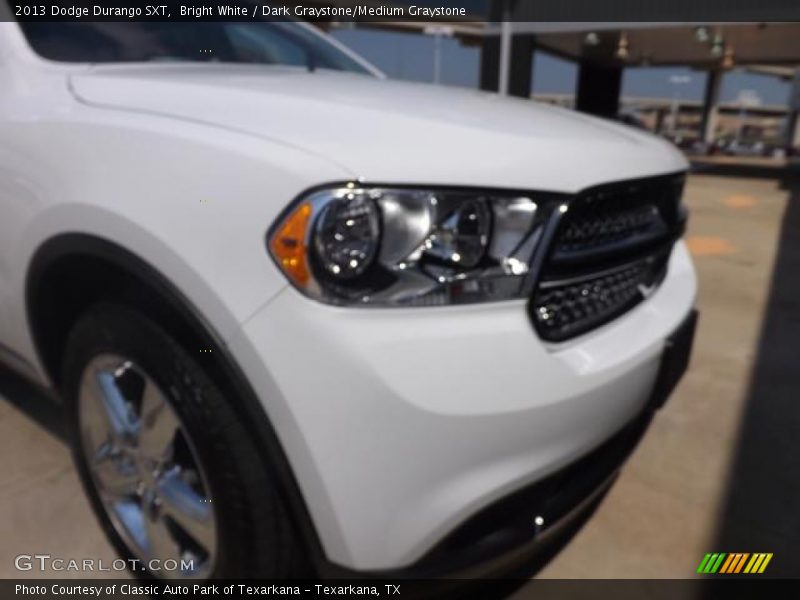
[95,425]
[159,424]
[121,421]
[188,509]
[130,514]
[161,544]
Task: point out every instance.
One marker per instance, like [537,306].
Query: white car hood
[390,131]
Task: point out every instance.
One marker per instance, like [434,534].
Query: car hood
[391,131]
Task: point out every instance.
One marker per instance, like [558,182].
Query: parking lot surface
[717,471]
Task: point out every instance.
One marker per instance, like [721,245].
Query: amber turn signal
[288,244]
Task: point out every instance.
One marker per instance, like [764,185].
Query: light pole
[505,49]
[747,99]
[438,31]
[676,81]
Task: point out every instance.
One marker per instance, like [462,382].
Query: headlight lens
[405,246]
[346,236]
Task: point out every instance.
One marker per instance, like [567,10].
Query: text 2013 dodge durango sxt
[305,319]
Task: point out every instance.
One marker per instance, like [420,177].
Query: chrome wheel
[146,470]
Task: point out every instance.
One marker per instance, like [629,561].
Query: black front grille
[608,252]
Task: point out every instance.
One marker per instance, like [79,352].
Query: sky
[410,56]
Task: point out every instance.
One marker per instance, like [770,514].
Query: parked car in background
[749,147]
[632,118]
[687,140]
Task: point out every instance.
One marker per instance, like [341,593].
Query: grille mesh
[609,251]
[602,226]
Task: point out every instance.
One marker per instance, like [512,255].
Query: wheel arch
[70,272]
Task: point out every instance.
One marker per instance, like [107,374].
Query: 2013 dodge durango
[307,319]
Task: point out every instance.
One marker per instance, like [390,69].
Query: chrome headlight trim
[435,245]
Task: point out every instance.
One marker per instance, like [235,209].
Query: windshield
[261,42]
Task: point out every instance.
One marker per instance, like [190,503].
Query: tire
[211,458]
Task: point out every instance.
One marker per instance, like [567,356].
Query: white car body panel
[444,136]
[398,423]
[436,419]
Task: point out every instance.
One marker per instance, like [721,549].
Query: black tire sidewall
[255,538]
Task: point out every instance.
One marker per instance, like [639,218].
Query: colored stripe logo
[734,563]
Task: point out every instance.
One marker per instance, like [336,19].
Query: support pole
[792,139]
[520,73]
[523,46]
[506,56]
[505,48]
[791,132]
[598,89]
[437,57]
[490,59]
[708,119]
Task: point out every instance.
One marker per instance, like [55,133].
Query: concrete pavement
[677,498]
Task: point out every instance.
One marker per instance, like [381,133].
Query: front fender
[192,201]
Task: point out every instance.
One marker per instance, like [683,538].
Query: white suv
[305,319]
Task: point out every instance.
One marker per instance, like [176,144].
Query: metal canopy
[700,45]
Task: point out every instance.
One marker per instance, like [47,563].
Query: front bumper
[402,424]
[525,528]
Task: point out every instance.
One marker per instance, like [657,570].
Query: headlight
[347,237]
[405,246]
